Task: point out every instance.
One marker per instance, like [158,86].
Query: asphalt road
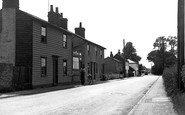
[115,97]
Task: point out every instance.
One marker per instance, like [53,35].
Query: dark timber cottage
[54,54]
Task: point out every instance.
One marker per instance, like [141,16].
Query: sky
[108,22]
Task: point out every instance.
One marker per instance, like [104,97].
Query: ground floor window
[76,63]
[43,66]
[65,67]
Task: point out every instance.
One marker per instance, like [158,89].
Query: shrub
[170,78]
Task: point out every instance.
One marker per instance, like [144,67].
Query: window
[64,41]
[65,67]
[43,34]
[96,50]
[43,66]
[101,53]
[76,63]
[88,49]
[96,67]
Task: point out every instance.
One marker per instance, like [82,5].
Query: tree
[160,43]
[172,41]
[162,56]
[130,52]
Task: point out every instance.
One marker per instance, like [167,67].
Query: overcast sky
[108,22]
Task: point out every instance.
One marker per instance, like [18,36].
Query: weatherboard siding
[53,47]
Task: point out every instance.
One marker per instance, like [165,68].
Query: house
[134,67]
[116,64]
[119,56]
[113,67]
[48,51]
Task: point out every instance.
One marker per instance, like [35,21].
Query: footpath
[155,102]
[43,90]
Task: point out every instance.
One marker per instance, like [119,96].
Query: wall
[7,46]
[8,35]
[24,32]
[112,66]
[94,58]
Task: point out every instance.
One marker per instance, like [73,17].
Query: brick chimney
[11,4]
[63,22]
[80,30]
[54,17]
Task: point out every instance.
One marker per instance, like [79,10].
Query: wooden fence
[22,78]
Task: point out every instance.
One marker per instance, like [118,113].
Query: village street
[114,97]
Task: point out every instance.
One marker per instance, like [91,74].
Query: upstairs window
[64,41]
[43,34]
[101,53]
[43,66]
[88,49]
[96,50]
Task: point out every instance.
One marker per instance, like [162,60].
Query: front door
[93,70]
[55,70]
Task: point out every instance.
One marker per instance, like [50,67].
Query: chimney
[11,4]
[63,22]
[111,54]
[119,51]
[54,17]
[80,30]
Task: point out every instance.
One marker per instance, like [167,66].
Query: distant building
[48,50]
[134,67]
[115,65]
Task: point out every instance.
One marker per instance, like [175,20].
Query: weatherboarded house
[48,51]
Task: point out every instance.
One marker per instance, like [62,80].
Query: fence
[22,78]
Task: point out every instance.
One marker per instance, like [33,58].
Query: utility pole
[180,36]
[124,68]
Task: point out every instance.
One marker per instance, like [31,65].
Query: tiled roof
[59,28]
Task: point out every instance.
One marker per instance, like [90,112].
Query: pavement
[154,102]
[42,90]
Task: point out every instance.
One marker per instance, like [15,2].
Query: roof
[120,57]
[112,58]
[130,61]
[59,28]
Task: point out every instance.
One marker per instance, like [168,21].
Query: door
[93,70]
[55,70]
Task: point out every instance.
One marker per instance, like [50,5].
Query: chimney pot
[51,8]
[80,24]
[56,9]
[61,15]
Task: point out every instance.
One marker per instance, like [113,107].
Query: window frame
[78,63]
[88,49]
[101,53]
[43,37]
[65,67]
[64,43]
[43,67]
[96,50]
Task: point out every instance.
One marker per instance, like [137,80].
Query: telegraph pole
[124,68]
[180,36]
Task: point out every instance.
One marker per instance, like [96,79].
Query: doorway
[55,70]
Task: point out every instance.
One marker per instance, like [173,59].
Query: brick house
[54,54]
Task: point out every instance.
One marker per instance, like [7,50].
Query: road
[115,97]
